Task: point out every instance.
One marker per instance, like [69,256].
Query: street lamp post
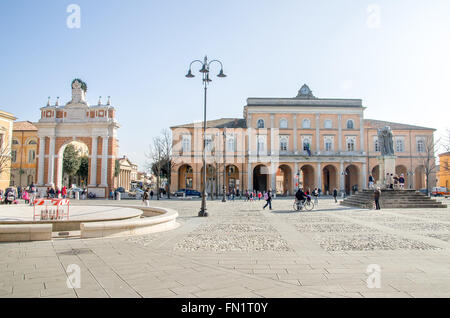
[224,168]
[206,80]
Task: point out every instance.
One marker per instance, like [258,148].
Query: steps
[393,200]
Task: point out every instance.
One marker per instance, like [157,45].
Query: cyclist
[301,196]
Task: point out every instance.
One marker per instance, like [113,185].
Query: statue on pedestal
[386,141]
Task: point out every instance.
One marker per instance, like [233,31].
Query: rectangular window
[377,145]
[261,144]
[420,146]
[186,144]
[14,155]
[230,143]
[31,156]
[209,145]
[399,145]
[328,146]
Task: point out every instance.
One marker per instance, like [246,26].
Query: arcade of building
[283,143]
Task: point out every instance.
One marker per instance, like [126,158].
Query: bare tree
[5,159]
[427,159]
[167,154]
[154,161]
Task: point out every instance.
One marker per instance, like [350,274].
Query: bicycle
[299,205]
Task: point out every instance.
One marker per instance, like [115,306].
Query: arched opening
[73,173]
[232,178]
[210,180]
[351,179]
[419,178]
[260,178]
[185,177]
[284,180]
[376,174]
[307,178]
[330,179]
[401,170]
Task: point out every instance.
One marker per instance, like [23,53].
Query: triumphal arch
[76,122]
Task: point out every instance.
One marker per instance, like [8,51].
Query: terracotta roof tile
[24,125]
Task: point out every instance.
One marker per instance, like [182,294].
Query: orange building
[6,134]
[23,154]
[283,143]
[444,170]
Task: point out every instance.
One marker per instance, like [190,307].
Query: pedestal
[387,165]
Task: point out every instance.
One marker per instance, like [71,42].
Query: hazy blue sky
[138,51]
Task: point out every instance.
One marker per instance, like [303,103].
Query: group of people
[56,192]
[11,195]
[393,181]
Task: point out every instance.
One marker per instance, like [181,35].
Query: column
[272,135]
[317,133]
[295,135]
[339,133]
[342,178]
[249,177]
[364,176]
[104,182]
[319,175]
[296,176]
[94,162]
[51,162]
[273,167]
[361,123]
[249,135]
[41,161]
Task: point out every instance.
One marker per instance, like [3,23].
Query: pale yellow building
[6,134]
[23,154]
[127,173]
[283,143]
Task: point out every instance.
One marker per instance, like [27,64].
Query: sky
[393,54]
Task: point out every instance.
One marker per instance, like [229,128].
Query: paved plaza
[243,251]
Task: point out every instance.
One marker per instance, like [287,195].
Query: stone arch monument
[93,126]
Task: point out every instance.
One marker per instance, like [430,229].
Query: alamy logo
[74,276]
[374,16]
[374,279]
[74,19]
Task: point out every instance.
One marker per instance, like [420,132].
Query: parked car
[139,193]
[188,193]
[440,191]
[120,189]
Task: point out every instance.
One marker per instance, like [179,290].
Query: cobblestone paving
[242,251]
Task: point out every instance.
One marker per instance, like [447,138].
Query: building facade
[77,121]
[6,135]
[284,143]
[127,173]
[23,154]
[444,170]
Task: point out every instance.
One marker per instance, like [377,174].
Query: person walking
[335,194]
[371,182]
[401,181]
[151,195]
[268,198]
[32,193]
[316,196]
[145,197]
[376,196]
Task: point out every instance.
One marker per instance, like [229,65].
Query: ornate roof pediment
[305,93]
